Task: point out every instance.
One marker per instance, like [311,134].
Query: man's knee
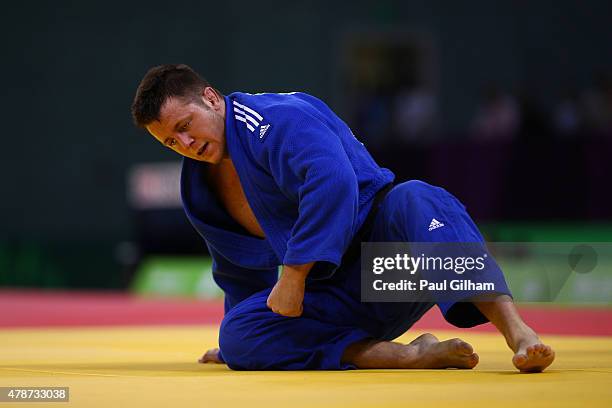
[420,212]
[414,190]
[412,199]
[234,340]
[245,333]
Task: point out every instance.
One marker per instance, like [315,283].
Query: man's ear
[210,96]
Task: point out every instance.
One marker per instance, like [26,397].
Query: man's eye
[185,126]
[172,142]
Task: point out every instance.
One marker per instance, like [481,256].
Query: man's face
[193,129]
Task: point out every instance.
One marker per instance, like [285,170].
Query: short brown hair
[161,83]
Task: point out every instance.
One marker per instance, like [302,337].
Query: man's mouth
[202,149]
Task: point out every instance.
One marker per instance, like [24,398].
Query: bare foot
[532,356]
[211,356]
[453,353]
[426,351]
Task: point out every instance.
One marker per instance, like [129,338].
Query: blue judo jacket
[308,180]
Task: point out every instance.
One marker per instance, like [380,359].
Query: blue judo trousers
[270,156]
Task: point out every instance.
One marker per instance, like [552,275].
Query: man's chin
[210,160]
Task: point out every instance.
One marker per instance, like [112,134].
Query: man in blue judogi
[278,180]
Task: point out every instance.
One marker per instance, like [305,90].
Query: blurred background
[506,104]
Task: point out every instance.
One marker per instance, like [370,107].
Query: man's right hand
[211,356]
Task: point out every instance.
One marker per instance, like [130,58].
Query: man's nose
[185,140]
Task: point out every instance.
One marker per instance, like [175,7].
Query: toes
[461,347]
[519,360]
[538,350]
[534,358]
[535,350]
[468,362]
[473,360]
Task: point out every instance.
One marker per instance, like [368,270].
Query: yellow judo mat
[156,367]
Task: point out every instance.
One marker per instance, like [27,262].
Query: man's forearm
[296,271]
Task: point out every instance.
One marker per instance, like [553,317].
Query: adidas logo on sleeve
[263,130]
[434,224]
